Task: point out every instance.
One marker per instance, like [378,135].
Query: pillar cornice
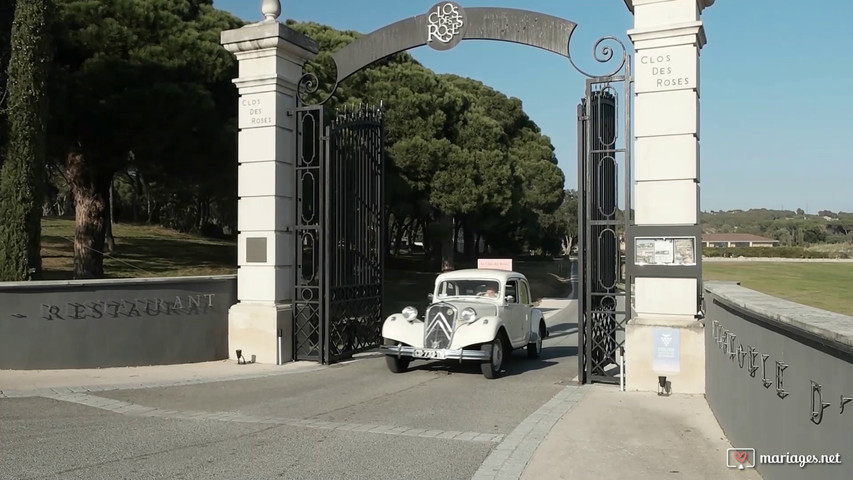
[670,35]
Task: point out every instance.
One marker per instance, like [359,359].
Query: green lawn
[145,251]
[141,251]
[822,285]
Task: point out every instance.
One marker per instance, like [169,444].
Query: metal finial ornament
[271,9]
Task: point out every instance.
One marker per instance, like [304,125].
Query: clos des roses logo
[446,24]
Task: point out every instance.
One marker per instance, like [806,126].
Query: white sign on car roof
[495,264]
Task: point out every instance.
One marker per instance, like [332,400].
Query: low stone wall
[777,375]
[114,323]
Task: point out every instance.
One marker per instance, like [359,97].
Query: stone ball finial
[271,9]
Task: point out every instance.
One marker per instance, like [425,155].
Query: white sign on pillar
[666,69]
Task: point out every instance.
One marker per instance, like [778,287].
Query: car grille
[440,323]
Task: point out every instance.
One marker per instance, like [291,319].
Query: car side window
[512,290]
[525,293]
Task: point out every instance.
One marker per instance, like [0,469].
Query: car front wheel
[397,364]
[492,367]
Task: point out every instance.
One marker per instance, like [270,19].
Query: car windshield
[469,288]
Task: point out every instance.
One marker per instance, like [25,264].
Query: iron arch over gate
[323,158]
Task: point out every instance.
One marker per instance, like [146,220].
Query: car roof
[479,273]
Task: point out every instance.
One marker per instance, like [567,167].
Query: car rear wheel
[492,367]
[534,349]
[397,364]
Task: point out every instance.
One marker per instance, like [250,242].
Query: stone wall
[114,323]
[777,374]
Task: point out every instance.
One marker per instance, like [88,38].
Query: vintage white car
[475,315]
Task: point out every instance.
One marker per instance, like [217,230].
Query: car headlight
[469,315]
[410,313]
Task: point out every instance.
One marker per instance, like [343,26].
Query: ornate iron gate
[354,233]
[337,302]
[309,286]
[605,296]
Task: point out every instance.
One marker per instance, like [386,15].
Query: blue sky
[776,112]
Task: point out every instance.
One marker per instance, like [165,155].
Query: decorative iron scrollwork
[309,84]
[764,380]
[602,54]
[817,414]
[753,354]
[780,389]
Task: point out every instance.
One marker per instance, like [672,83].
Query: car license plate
[428,353]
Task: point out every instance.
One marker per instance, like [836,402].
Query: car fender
[401,330]
[482,330]
[535,317]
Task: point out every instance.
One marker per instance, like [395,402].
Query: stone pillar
[271,57]
[665,337]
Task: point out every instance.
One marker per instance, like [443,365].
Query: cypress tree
[7,11]
[21,176]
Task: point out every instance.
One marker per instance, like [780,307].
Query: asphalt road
[354,420]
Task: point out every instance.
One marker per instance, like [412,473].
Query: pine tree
[22,171]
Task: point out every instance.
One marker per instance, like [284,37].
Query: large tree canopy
[142,127]
[141,88]
[459,152]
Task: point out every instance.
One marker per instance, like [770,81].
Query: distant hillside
[791,228]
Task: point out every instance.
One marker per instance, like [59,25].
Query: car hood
[484,308]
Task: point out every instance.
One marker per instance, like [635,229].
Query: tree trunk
[109,240]
[412,234]
[398,239]
[457,225]
[445,241]
[468,238]
[91,205]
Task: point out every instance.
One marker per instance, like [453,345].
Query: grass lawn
[822,285]
[147,251]
[141,251]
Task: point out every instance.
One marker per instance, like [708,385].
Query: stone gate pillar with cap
[271,57]
[666,335]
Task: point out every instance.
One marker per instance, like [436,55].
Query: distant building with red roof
[711,240]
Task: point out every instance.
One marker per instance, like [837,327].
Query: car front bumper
[445,354]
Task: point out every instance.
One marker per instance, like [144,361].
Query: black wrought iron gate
[605,295]
[339,233]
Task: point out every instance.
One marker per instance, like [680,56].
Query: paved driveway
[354,420]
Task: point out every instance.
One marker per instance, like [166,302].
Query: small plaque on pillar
[256,250]
[666,351]
[665,251]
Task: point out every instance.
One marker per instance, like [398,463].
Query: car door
[526,305]
[514,314]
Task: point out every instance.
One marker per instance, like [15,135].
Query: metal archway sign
[446,24]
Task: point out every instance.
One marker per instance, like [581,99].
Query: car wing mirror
[510,299]
[430,297]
